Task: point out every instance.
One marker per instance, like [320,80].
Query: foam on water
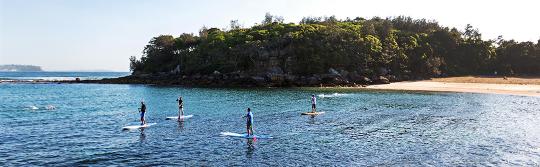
[332,95]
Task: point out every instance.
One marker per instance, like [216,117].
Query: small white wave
[332,95]
[50,107]
[33,107]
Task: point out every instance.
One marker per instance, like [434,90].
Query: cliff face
[20,68]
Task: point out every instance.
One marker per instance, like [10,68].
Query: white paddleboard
[181,117]
[137,126]
[245,135]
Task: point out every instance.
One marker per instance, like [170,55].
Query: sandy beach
[470,84]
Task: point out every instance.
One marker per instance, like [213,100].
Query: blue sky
[63,35]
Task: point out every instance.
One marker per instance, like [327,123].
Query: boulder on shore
[382,80]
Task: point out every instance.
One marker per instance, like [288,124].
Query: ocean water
[54,76]
[359,127]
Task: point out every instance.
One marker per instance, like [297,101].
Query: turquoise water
[358,128]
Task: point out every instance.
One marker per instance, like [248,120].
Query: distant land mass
[19,68]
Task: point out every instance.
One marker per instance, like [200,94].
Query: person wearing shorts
[249,122]
[143,111]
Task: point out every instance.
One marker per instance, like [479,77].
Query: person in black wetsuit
[180,107]
[142,110]
[313,104]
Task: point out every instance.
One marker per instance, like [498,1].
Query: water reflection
[250,147]
[142,136]
[311,119]
[180,125]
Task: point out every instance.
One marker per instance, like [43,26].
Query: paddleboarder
[180,107]
[249,123]
[313,103]
[142,110]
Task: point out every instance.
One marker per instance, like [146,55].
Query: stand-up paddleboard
[245,135]
[181,117]
[137,126]
[312,113]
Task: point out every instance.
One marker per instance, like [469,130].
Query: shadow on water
[142,136]
[250,149]
[311,119]
[180,125]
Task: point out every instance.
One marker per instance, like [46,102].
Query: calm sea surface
[358,128]
[50,76]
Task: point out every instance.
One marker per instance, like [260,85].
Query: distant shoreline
[522,86]
[54,76]
[20,68]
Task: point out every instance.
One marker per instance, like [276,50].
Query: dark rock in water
[272,78]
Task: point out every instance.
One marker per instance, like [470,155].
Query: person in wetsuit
[142,110]
[180,107]
[249,123]
[313,103]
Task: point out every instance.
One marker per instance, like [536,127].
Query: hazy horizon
[61,35]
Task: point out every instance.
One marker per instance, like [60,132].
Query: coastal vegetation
[327,50]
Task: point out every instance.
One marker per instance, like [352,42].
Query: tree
[235,25]
[408,47]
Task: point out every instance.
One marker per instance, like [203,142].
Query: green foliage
[401,45]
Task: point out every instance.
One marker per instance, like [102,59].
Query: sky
[82,35]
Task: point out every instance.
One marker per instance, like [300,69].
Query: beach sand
[470,84]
